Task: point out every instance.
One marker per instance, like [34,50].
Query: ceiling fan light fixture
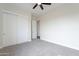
[41,5]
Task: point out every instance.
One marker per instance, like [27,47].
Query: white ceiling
[37,12]
[25,7]
[17,6]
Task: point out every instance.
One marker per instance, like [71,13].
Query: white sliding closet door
[15,29]
[9,28]
[22,29]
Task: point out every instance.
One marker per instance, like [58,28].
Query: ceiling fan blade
[35,6]
[46,3]
[41,7]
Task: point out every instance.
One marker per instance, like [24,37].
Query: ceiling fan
[41,5]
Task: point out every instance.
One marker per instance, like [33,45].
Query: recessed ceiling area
[25,7]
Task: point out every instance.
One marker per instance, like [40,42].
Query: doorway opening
[35,29]
[38,29]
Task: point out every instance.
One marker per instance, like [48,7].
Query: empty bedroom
[39,29]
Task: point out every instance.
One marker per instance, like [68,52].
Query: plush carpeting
[38,48]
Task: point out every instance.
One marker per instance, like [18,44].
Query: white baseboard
[15,44]
[62,44]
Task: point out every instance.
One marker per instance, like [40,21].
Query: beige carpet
[38,48]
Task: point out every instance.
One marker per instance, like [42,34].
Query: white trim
[12,12]
[15,44]
[61,44]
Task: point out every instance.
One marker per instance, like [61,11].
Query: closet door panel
[9,29]
[22,29]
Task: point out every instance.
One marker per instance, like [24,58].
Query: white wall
[15,27]
[61,26]
[0,30]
